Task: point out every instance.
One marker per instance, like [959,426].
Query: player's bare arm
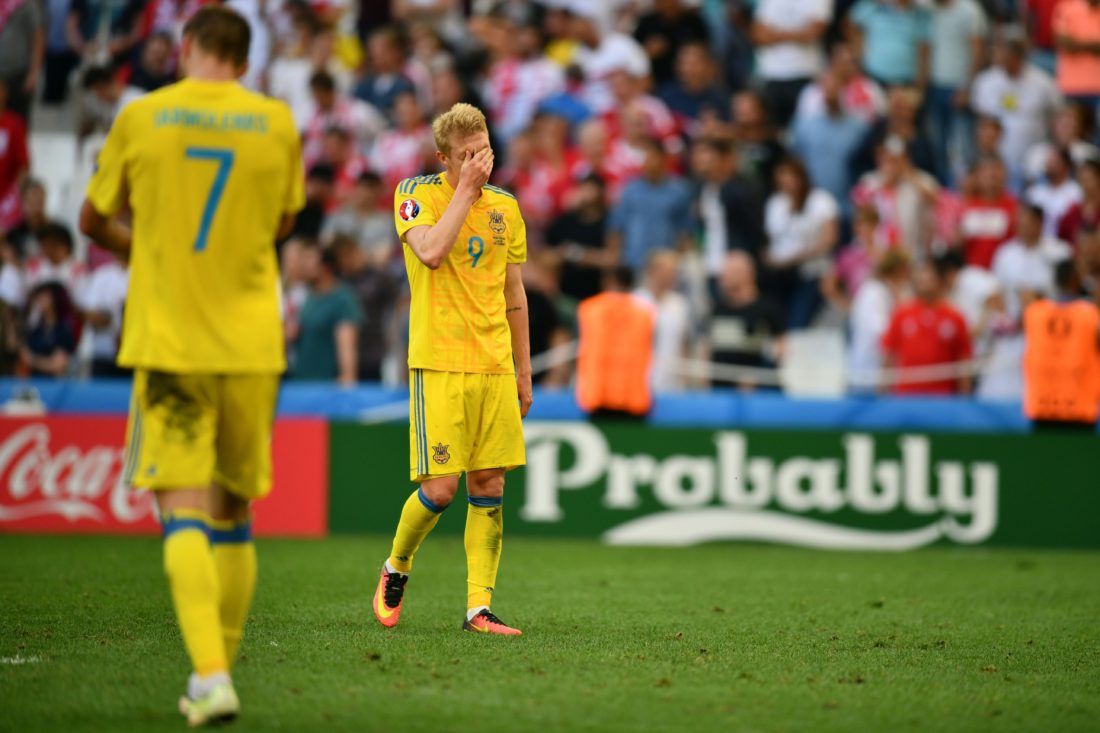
[107,231]
[515,299]
[431,244]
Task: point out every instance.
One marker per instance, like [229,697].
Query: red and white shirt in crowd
[16,284]
[661,123]
[984,226]
[359,118]
[514,90]
[14,161]
[543,188]
[400,154]
[613,178]
[169,16]
[347,175]
[861,98]
[921,335]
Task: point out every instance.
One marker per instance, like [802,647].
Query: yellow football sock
[484,533]
[235,560]
[418,517]
[189,564]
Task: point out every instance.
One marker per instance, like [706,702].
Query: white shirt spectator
[1036,161]
[1024,105]
[259,50]
[791,233]
[16,284]
[868,319]
[955,24]
[791,60]
[616,52]
[1055,201]
[1021,267]
[670,338]
[973,288]
[106,292]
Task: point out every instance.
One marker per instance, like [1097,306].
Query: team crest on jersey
[442,453]
[409,209]
[496,222]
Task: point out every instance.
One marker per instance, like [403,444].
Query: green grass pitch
[716,638]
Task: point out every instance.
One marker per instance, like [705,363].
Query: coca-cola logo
[37,480]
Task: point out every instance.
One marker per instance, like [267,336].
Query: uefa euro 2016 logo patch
[409,209]
[442,453]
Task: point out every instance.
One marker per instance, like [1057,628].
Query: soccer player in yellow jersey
[212,175]
[469,358]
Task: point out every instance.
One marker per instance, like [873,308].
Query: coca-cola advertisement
[62,474]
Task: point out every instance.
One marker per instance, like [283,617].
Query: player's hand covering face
[472,159]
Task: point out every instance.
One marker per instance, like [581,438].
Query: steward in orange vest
[1062,357]
[615,350]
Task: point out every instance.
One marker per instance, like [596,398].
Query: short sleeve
[107,190]
[411,210]
[295,192]
[825,206]
[350,311]
[517,247]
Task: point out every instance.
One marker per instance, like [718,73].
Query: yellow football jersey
[457,319]
[208,170]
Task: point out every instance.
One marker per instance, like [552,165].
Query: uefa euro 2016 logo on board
[409,209]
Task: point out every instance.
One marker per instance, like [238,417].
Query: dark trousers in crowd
[949,123]
[781,99]
[109,369]
[59,67]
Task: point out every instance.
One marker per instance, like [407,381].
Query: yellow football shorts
[463,422]
[194,430]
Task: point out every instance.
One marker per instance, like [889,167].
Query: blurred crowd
[910,174]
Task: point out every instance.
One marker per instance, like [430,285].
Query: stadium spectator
[615,350]
[22,52]
[602,51]
[260,45]
[694,93]
[327,339]
[320,191]
[297,263]
[332,108]
[155,68]
[672,324]
[545,324]
[856,262]
[988,216]
[1025,265]
[15,161]
[591,157]
[927,332]
[665,31]
[788,35]
[860,96]
[869,317]
[902,122]
[1023,97]
[60,59]
[1076,26]
[51,336]
[802,224]
[630,98]
[23,237]
[541,179]
[746,328]
[1072,127]
[728,206]
[904,197]
[104,299]
[988,134]
[375,289]
[958,54]
[55,264]
[106,95]
[759,147]
[338,150]
[105,31]
[654,212]
[385,78]
[1083,218]
[1062,359]
[1038,15]
[518,78]
[407,149]
[966,287]
[828,141]
[1057,193]
[894,38]
[365,221]
[577,239]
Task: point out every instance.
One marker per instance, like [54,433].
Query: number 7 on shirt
[224,158]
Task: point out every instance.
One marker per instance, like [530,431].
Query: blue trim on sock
[428,503]
[240,534]
[170,525]
[486,500]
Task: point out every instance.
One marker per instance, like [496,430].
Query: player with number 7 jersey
[212,175]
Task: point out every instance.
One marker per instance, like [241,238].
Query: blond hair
[462,119]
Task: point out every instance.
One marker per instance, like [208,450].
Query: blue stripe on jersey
[423,424]
[415,387]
